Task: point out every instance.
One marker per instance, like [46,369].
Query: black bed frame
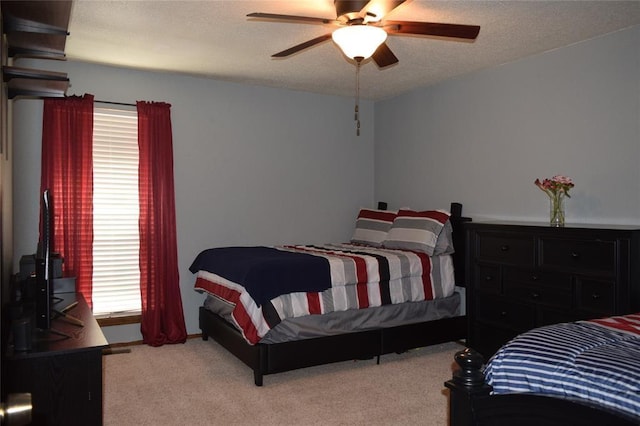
[279,357]
[471,403]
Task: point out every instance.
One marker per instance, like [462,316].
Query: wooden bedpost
[467,383]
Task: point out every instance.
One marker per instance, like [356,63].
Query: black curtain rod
[115,103]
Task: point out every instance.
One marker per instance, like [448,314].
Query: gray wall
[482,139]
[253,165]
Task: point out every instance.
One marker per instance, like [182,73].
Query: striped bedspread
[596,361]
[360,277]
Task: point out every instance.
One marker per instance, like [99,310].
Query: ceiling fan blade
[383,56]
[350,10]
[378,9]
[291,18]
[434,29]
[302,46]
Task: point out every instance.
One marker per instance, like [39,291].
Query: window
[116,271]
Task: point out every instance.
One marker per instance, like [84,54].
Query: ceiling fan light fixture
[359,41]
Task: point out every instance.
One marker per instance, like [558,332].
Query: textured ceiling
[215,39]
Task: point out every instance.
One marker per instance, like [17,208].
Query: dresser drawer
[549,296]
[554,316]
[498,310]
[596,296]
[551,289]
[585,256]
[506,248]
[488,279]
[530,277]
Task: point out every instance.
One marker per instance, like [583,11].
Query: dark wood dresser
[63,374]
[525,275]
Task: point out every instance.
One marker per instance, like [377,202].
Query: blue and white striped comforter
[598,361]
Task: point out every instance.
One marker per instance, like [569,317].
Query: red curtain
[162,314]
[67,171]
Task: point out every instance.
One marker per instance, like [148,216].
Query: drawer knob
[595,296]
[503,314]
[575,255]
[535,295]
[488,278]
[534,278]
[504,248]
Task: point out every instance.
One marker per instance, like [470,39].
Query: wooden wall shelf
[26,88]
[35,29]
[10,73]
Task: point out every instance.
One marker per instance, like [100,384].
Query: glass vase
[556,209]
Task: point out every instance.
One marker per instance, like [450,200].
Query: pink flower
[555,185]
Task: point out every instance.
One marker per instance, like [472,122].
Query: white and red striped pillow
[418,231]
[372,226]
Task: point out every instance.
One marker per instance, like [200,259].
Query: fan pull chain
[357,108]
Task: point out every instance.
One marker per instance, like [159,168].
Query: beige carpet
[199,383]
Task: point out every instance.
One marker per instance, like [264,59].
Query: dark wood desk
[63,374]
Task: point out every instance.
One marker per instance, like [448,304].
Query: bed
[391,288]
[575,373]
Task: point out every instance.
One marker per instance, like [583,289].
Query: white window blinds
[116,270]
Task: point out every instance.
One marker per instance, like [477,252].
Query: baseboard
[115,346]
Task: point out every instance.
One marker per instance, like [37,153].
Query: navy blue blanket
[266,272]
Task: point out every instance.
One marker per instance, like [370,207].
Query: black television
[44,264]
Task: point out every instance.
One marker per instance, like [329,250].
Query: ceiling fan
[363,30]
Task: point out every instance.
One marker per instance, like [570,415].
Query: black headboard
[459,243]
